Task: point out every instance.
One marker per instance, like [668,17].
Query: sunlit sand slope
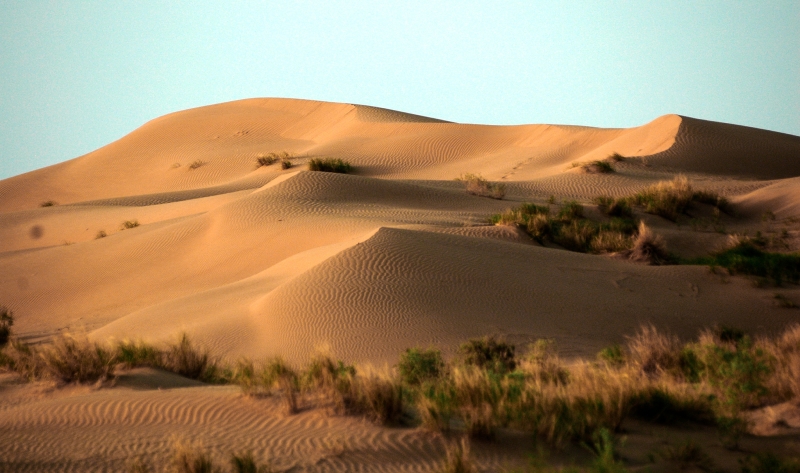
[212,150]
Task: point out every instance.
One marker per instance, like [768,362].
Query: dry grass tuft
[128,224]
[670,199]
[457,458]
[189,458]
[595,167]
[649,247]
[329,165]
[74,359]
[477,185]
[196,164]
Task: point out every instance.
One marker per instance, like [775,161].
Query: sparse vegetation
[670,199]
[570,228]
[48,203]
[746,258]
[602,167]
[329,165]
[688,454]
[100,234]
[286,164]
[128,224]
[417,365]
[612,207]
[616,157]
[196,164]
[477,185]
[271,158]
[652,376]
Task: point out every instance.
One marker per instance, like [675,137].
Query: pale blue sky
[75,76]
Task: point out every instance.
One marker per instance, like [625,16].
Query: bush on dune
[670,199]
[477,185]
[335,165]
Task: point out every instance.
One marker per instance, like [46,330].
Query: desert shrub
[612,207]
[23,360]
[380,399]
[100,234]
[246,463]
[329,165]
[489,354]
[133,354]
[615,157]
[746,258]
[187,458]
[649,247]
[6,321]
[48,203]
[285,164]
[266,160]
[277,372]
[612,354]
[185,359]
[603,167]
[768,463]
[670,199]
[653,352]
[417,365]
[75,359]
[457,458]
[570,210]
[128,224]
[477,185]
[196,164]
[569,228]
[604,445]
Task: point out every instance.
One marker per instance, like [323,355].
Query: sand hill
[258,261]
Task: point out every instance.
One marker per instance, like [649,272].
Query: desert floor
[259,261]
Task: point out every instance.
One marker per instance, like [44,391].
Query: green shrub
[329,165]
[489,354]
[6,321]
[612,354]
[746,258]
[417,365]
[612,207]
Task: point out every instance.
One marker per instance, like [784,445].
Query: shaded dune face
[258,261]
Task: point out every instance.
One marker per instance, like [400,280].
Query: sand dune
[259,261]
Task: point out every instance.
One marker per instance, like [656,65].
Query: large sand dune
[258,261]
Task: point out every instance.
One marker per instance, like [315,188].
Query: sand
[260,261]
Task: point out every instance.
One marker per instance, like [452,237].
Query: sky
[75,76]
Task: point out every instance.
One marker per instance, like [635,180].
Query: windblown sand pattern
[260,261]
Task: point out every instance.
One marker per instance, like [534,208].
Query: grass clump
[457,458]
[48,203]
[670,199]
[612,207]
[649,247]
[570,228]
[100,234]
[489,354]
[602,167]
[128,224]
[77,360]
[196,164]
[477,185]
[329,165]
[418,365]
[746,258]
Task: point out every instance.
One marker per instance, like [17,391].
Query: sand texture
[261,261]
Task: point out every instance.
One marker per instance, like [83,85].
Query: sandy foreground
[260,261]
